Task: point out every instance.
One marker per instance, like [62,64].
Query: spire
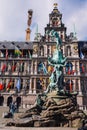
[74,30]
[28,31]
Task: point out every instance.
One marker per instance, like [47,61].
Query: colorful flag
[42,67]
[1,86]
[6,54]
[29,53]
[3,67]
[1,54]
[17,51]
[81,55]
[13,66]
[69,71]
[70,85]
[18,85]
[50,68]
[9,85]
[83,69]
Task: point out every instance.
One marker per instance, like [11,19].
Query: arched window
[38,86]
[68,51]
[69,68]
[9,100]
[69,85]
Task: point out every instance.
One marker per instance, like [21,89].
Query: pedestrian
[12,108]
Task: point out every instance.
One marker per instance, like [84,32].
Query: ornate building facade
[24,67]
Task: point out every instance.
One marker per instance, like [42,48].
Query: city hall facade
[24,67]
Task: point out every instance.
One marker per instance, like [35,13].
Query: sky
[13,17]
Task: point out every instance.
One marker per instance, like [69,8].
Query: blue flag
[18,85]
[42,67]
[81,55]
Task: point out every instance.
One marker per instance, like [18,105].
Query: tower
[55,23]
[28,31]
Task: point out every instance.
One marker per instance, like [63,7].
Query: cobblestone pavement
[54,128]
[4,120]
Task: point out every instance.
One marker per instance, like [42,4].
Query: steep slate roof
[12,45]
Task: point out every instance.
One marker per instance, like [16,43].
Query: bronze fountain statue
[58,62]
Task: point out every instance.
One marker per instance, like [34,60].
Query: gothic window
[76,85]
[68,51]
[69,68]
[69,85]
[38,85]
[41,51]
[82,86]
[85,85]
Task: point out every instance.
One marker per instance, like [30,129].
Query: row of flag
[71,72]
[10,83]
[12,67]
[17,53]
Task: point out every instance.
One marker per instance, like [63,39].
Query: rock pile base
[57,111]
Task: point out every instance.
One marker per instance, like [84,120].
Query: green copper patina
[58,62]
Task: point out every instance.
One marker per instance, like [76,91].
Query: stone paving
[53,128]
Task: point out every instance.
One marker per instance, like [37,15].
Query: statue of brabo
[58,62]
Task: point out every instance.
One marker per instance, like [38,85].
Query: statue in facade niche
[58,62]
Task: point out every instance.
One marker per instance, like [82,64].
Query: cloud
[13,17]
[79,18]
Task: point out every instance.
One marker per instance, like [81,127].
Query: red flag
[13,66]
[1,86]
[73,71]
[83,68]
[69,72]
[9,85]
[6,54]
[3,67]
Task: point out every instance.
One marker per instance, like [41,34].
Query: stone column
[23,83]
[78,68]
[45,51]
[28,67]
[74,85]
[35,67]
[49,50]
[30,86]
[7,80]
[64,70]
[79,86]
[32,67]
[34,89]
[15,82]
[25,67]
